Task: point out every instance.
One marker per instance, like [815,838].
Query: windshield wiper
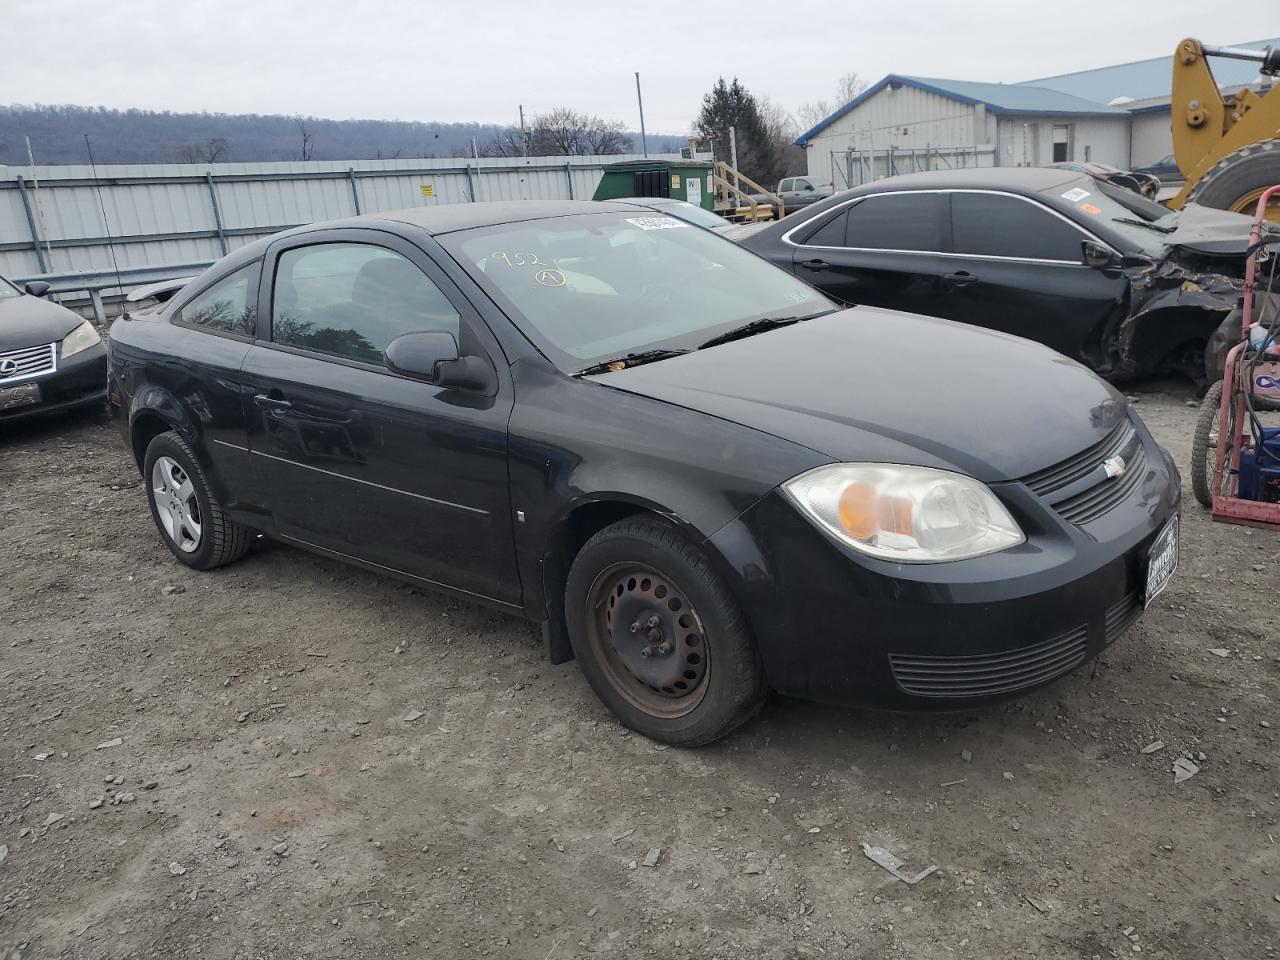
[1144,223]
[630,360]
[752,327]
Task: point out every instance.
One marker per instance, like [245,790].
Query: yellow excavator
[1228,147]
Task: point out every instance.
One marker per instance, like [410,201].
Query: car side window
[992,225]
[229,306]
[802,184]
[831,233]
[350,300]
[897,221]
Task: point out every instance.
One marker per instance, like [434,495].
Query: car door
[356,459]
[880,250]
[1017,266]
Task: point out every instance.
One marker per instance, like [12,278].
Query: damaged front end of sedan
[1177,305]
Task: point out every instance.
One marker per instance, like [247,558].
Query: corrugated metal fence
[55,221]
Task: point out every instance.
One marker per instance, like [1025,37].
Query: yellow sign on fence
[675,181]
[427,189]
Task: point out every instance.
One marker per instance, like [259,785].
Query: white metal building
[907,123]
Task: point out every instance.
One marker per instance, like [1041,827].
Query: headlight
[81,338]
[908,514]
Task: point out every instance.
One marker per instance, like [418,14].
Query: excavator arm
[1228,148]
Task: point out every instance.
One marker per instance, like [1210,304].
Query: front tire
[659,636]
[186,512]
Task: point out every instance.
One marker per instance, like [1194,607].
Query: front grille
[1081,465]
[1066,486]
[990,674]
[28,362]
[1121,616]
[1097,500]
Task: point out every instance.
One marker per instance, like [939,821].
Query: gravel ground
[289,758]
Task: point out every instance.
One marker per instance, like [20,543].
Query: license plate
[23,395]
[1162,560]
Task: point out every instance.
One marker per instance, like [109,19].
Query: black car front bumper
[837,626]
[78,381]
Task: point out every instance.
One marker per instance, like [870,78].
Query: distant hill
[144,136]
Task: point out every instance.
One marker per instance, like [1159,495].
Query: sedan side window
[350,300]
[897,221]
[229,306]
[993,225]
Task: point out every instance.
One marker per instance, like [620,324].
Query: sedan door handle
[961,279]
[815,264]
[271,403]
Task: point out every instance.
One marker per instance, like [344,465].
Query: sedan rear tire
[659,636]
[186,512]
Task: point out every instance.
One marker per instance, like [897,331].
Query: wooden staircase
[734,203]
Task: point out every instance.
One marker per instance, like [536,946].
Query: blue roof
[1146,79]
[1014,99]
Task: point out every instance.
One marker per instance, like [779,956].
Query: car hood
[1215,232]
[879,385]
[30,321]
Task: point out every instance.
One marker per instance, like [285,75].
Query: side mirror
[1096,255]
[36,288]
[809,187]
[432,356]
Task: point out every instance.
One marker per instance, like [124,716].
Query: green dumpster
[687,180]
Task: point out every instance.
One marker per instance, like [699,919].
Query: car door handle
[271,403]
[961,279]
[815,264]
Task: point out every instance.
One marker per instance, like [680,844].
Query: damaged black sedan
[1095,271]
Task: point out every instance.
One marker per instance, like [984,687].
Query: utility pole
[644,142]
[524,137]
[733,155]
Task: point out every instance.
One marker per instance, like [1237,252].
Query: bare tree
[814,112]
[308,141]
[206,151]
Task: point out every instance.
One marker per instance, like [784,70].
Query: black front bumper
[837,626]
[78,381]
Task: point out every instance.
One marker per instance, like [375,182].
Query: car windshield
[1143,223]
[595,287]
[8,290]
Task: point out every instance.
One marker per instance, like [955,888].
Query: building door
[1061,142]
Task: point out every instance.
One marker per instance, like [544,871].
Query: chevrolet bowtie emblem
[1114,466]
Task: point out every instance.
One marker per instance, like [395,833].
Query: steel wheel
[177,508]
[649,639]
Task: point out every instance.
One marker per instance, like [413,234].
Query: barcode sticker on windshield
[656,223]
[1075,195]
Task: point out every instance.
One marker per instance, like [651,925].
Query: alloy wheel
[177,508]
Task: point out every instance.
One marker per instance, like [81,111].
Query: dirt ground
[290,758]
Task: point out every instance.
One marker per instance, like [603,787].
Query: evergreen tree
[732,105]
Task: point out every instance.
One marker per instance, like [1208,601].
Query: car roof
[1016,179]
[446,218]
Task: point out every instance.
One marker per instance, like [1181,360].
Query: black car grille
[1121,616]
[1079,506]
[990,674]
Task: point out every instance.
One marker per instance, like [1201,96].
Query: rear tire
[1204,449]
[186,512]
[1237,180]
[639,585]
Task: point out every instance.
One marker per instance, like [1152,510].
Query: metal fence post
[471,186]
[31,222]
[217,212]
[99,311]
[355,194]
[568,176]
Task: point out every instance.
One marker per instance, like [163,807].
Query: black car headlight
[904,513]
[81,338]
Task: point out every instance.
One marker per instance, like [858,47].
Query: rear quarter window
[228,306]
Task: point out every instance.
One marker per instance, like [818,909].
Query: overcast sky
[453,61]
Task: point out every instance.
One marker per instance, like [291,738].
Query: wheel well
[1172,340]
[146,428]
[575,530]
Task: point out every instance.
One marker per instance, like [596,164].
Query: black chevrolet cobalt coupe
[704,479]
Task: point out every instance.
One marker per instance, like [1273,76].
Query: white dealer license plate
[23,395]
[1162,560]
